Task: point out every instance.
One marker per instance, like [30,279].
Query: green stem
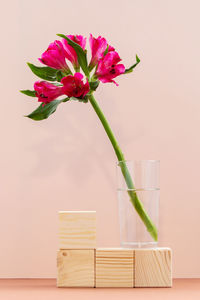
[132,193]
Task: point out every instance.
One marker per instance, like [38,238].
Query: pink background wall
[66,162]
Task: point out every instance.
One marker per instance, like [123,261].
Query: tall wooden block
[75,268]
[77,229]
[153,267]
[114,267]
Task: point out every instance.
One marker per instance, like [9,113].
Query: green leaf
[59,76]
[129,70]
[28,93]
[106,51]
[45,73]
[94,85]
[66,99]
[82,58]
[44,111]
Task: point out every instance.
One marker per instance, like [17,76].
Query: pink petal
[120,69]
[78,76]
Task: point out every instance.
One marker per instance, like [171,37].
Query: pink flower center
[43,96]
[112,71]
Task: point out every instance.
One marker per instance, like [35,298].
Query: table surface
[28,289]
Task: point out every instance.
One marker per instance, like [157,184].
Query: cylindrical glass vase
[145,177]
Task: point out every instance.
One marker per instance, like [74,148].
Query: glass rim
[139,189]
[139,160]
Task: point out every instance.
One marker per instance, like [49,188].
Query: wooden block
[75,268]
[77,229]
[153,267]
[114,267]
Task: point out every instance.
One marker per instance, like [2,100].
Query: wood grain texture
[153,267]
[77,229]
[75,268]
[114,267]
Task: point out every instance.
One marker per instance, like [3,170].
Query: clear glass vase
[145,178]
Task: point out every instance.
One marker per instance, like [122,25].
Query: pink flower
[73,86]
[54,56]
[98,47]
[108,67]
[47,92]
[70,53]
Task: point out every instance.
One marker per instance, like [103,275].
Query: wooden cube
[153,267]
[77,229]
[114,267]
[75,268]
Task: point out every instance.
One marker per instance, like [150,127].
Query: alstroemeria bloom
[70,53]
[54,56]
[47,92]
[108,67]
[98,47]
[73,86]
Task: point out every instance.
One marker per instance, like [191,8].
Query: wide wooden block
[77,229]
[75,268]
[153,267]
[114,267]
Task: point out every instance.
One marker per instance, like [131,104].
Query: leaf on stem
[106,51]
[28,93]
[44,111]
[129,70]
[45,73]
[94,85]
[82,58]
[59,76]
